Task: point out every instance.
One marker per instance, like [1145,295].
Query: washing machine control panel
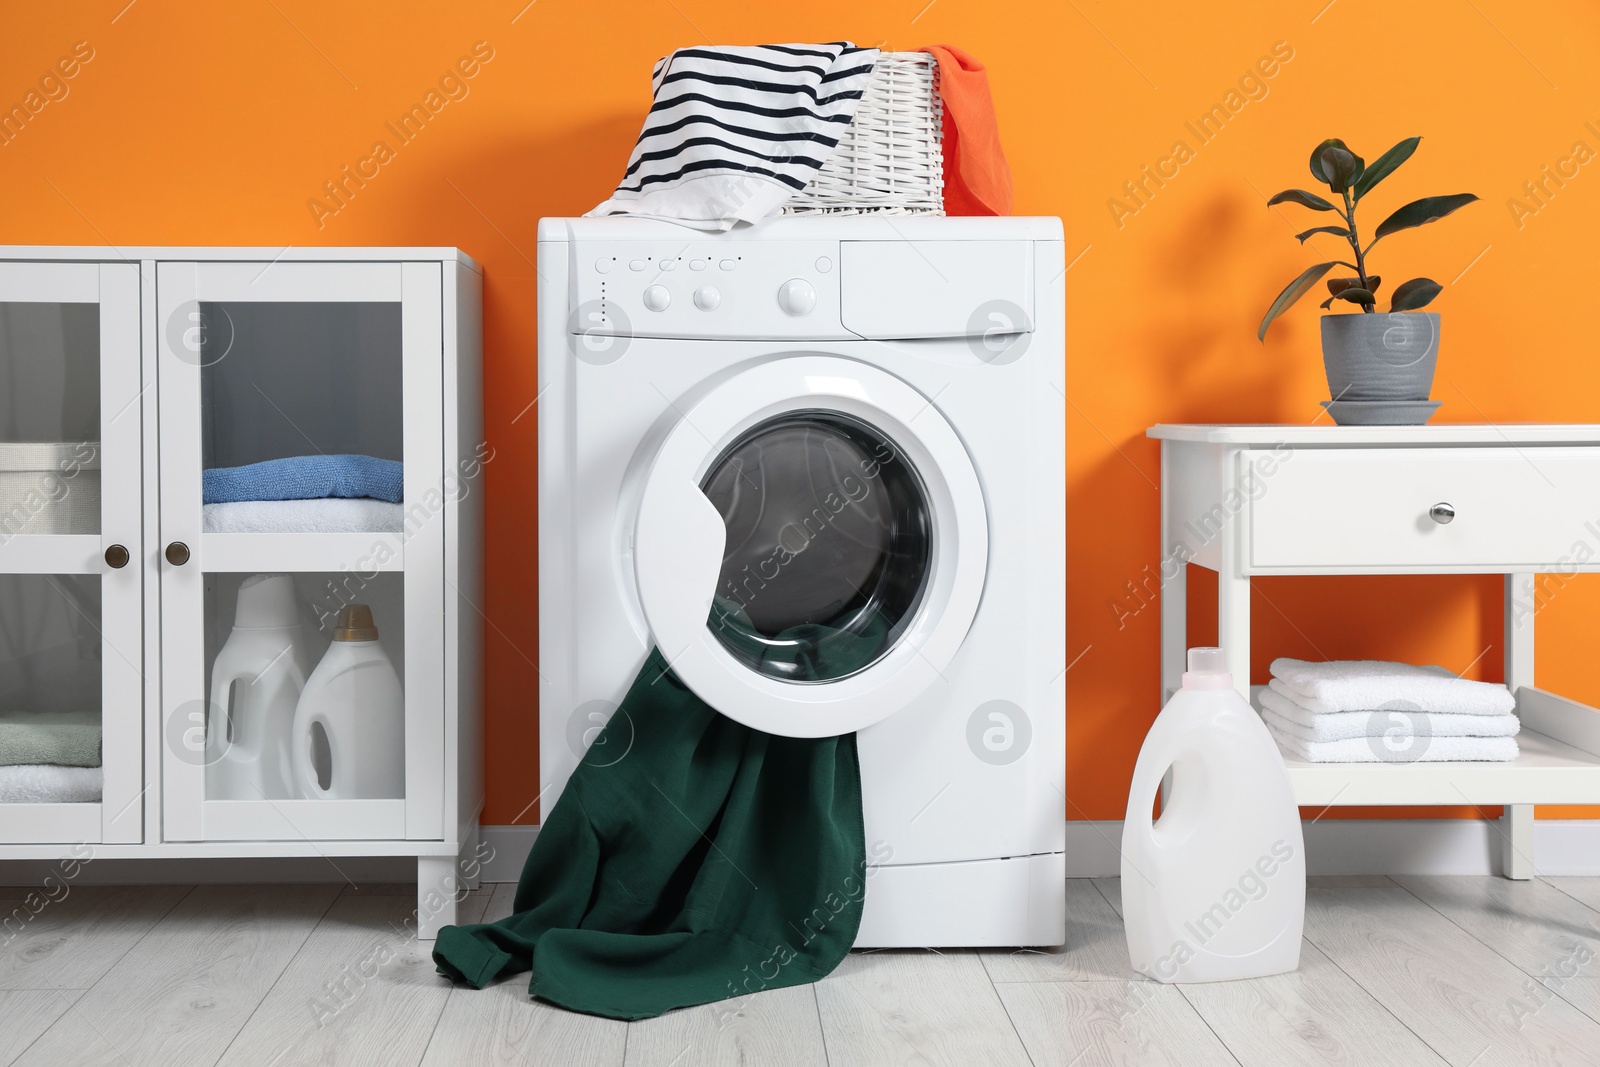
[697,288]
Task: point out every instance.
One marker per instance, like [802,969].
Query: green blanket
[689,859]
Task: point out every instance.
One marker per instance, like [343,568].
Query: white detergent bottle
[1216,889]
[255,685]
[349,730]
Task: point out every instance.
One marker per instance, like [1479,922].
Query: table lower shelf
[1545,772]
[1558,764]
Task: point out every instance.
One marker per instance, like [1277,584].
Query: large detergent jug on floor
[349,730]
[255,686]
[1216,888]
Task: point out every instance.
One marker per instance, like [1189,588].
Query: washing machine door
[811,545]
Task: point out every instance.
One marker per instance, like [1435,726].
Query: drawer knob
[177,553]
[1442,514]
[117,557]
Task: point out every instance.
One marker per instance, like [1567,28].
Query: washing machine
[819,463]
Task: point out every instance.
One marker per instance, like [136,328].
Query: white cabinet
[146,368]
[1517,500]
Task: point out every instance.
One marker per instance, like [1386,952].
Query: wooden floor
[1467,971]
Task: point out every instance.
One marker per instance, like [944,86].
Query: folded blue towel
[305,478]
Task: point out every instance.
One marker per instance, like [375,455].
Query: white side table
[1516,500]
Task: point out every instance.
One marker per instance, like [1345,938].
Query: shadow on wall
[1207,366]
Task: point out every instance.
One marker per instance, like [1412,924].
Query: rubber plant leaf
[1355,295]
[1338,285]
[1417,293]
[1384,166]
[1303,198]
[1342,167]
[1337,231]
[1421,212]
[1292,292]
[1316,158]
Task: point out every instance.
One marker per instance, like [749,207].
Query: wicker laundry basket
[890,160]
[49,489]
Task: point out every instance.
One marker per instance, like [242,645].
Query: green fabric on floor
[689,859]
[58,738]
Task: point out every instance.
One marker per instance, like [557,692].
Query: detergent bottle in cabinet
[349,729]
[1214,890]
[255,685]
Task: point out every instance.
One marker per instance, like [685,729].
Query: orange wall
[198,123]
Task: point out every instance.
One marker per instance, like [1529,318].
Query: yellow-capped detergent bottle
[1215,889]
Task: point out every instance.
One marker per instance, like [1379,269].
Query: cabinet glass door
[71,554]
[302,546]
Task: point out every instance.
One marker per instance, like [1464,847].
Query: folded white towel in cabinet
[40,783]
[324,515]
[1285,714]
[1364,684]
[1398,749]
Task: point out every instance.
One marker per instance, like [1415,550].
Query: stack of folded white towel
[1372,711]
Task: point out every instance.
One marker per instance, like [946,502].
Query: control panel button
[727,264]
[697,264]
[707,297]
[657,298]
[637,264]
[824,264]
[603,265]
[669,264]
[797,296]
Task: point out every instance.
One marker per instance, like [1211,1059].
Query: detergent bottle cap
[1208,669]
[355,624]
[266,601]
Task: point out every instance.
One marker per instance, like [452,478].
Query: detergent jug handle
[228,668]
[1162,751]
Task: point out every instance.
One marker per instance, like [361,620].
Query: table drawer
[1514,508]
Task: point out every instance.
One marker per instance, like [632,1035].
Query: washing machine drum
[827,546]
[810,546]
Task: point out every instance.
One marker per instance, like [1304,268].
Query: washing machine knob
[657,298]
[797,297]
[707,297]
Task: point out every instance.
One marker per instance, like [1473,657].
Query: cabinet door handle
[1442,513]
[117,557]
[177,553]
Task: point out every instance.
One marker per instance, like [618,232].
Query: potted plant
[1380,366]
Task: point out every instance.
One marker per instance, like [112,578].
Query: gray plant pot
[1382,356]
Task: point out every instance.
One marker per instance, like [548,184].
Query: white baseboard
[1333,846]
[510,845]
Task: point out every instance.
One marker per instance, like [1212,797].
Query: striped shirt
[735,131]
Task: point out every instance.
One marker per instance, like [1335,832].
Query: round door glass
[829,543]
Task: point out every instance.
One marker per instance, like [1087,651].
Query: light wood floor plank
[780,1027]
[1096,949]
[1442,983]
[27,1013]
[1536,926]
[923,1007]
[1134,1023]
[74,941]
[1316,1016]
[180,995]
[361,991]
[1584,890]
[503,1026]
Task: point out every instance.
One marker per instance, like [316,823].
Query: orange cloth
[977,178]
